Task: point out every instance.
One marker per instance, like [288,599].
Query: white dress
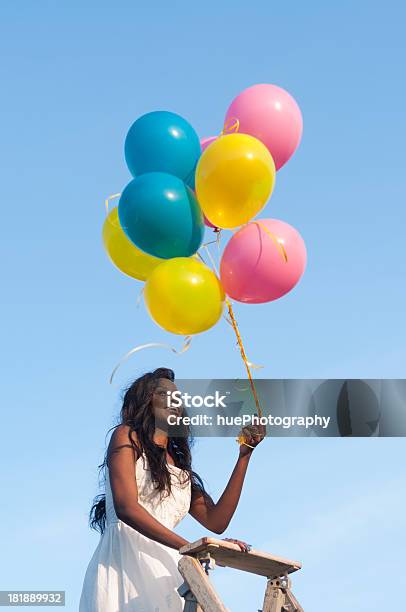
[129,572]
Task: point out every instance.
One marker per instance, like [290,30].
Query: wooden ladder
[204,554]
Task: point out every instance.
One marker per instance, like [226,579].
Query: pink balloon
[253,268]
[204,143]
[270,114]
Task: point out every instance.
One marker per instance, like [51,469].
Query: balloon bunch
[158,226]
[180,185]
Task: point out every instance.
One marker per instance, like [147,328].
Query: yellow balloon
[123,253]
[235,176]
[184,296]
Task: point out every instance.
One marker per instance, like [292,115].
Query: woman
[135,565]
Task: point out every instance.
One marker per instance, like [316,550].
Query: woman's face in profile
[161,403]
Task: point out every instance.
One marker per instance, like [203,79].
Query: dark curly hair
[136,412]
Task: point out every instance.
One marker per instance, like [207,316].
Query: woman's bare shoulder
[121,433]
[120,441]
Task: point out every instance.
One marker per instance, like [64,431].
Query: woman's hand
[243,545]
[253,435]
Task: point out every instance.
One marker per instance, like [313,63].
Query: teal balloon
[190,181]
[162,142]
[159,213]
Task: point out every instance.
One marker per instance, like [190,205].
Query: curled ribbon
[108,200]
[231,126]
[278,241]
[141,347]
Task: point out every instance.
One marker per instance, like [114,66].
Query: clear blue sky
[74,76]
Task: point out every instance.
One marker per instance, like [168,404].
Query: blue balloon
[161,216]
[162,142]
[190,181]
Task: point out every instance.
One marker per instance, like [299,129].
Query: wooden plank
[198,581]
[227,554]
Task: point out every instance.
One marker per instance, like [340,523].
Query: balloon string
[253,366]
[201,257]
[248,365]
[233,322]
[243,355]
[209,255]
[141,347]
[139,296]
